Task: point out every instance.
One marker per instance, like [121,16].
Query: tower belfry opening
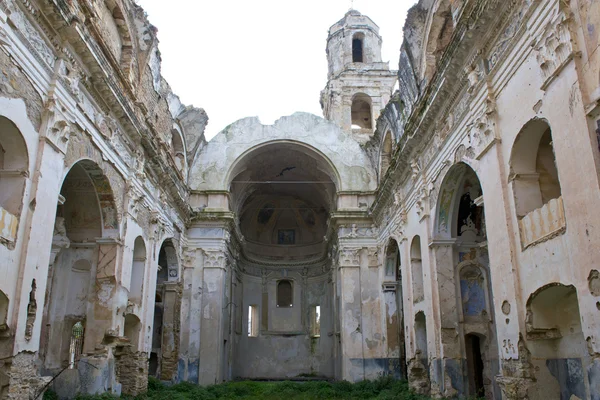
[359,82]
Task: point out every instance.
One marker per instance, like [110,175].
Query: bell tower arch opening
[359,82]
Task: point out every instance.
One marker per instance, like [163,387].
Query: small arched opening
[138,268]
[178,149]
[132,329]
[358,48]
[285,293]
[416,265]
[361,113]
[421,337]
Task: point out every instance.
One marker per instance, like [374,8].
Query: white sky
[265,58]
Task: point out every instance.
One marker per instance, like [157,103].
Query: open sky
[265,58]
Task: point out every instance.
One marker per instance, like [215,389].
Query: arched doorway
[165,333]
[70,296]
[392,288]
[466,298]
[282,195]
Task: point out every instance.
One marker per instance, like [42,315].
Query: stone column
[191,304]
[350,315]
[170,331]
[100,324]
[211,328]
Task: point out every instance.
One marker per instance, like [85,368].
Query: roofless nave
[446,233]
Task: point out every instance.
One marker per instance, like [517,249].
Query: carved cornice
[458,72]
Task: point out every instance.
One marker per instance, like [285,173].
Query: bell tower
[359,84]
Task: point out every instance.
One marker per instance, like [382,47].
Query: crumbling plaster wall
[124,132]
[211,169]
[286,349]
[516,272]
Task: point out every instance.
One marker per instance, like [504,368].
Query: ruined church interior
[437,224]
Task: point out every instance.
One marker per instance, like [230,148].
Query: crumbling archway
[393,298]
[85,213]
[165,338]
[557,346]
[460,247]
[282,196]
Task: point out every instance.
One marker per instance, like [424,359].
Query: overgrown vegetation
[383,389]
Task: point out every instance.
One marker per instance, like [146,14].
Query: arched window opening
[132,330]
[178,149]
[386,154]
[137,271]
[392,261]
[533,168]
[535,184]
[417,270]
[167,262]
[13,168]
[361,112]
[421,336]
[76,344]
[357,48]
[470,223]
[285,294]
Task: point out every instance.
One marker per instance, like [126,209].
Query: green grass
[383,389]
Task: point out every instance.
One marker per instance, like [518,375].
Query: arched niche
[361,112]
[460,212]
[132,329]
[421,337]
[533,169]
[14,169]
[416,266]
[385,154]
[178,149]
[392,261]
[474,290]
[556,342]
[138,269]
[439,32]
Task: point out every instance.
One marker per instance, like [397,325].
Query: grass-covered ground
[384,388]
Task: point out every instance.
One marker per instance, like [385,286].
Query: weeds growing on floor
[385,388]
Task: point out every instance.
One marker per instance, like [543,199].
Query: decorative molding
[349,257]
[554,48]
